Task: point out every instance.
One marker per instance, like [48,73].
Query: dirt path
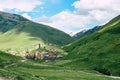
[2,78]
[115,77]
[21,61]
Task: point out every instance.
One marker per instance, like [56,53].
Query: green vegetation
[6,59]
[16,68]
[99,51]
[88,55]
[18,32]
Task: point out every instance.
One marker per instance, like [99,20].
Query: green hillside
[99,51]
[6,59]
[16,31]
[15,68]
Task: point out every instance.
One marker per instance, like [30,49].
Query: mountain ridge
[86,32]
[16,24]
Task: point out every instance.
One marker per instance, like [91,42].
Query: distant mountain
[98,51]
[17,31]
[86,32]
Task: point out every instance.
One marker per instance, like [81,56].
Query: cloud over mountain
[66,15]
[86,13]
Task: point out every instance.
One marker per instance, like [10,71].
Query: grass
[99,51]
[22,40]
[36,70]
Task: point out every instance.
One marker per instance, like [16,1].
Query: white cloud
[100,11]
[86,12]
[64,21]
[26,16]
[19,5]
[92,4]
[97,4]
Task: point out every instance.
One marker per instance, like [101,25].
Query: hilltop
[17,31]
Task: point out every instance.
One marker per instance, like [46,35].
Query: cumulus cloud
[97,4]
[86,12]
[100,11]
[65,21]
[19,5]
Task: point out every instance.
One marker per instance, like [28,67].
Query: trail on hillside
[116,77]
[14,64]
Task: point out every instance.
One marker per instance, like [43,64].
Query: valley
[32,51]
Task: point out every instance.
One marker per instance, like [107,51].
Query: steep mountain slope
[17,31]
[86,32]
[99,51]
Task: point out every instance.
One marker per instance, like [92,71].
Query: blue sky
[66,15]
[47,8]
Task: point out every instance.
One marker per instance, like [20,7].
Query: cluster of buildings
[43,55]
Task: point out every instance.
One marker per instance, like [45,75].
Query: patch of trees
[1,17]
[102,70]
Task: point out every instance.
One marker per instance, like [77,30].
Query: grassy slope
[99,51]
[6,59]
[33,70]
[21,40]
[16,31]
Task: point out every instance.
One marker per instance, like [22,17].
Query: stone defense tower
[39,46]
